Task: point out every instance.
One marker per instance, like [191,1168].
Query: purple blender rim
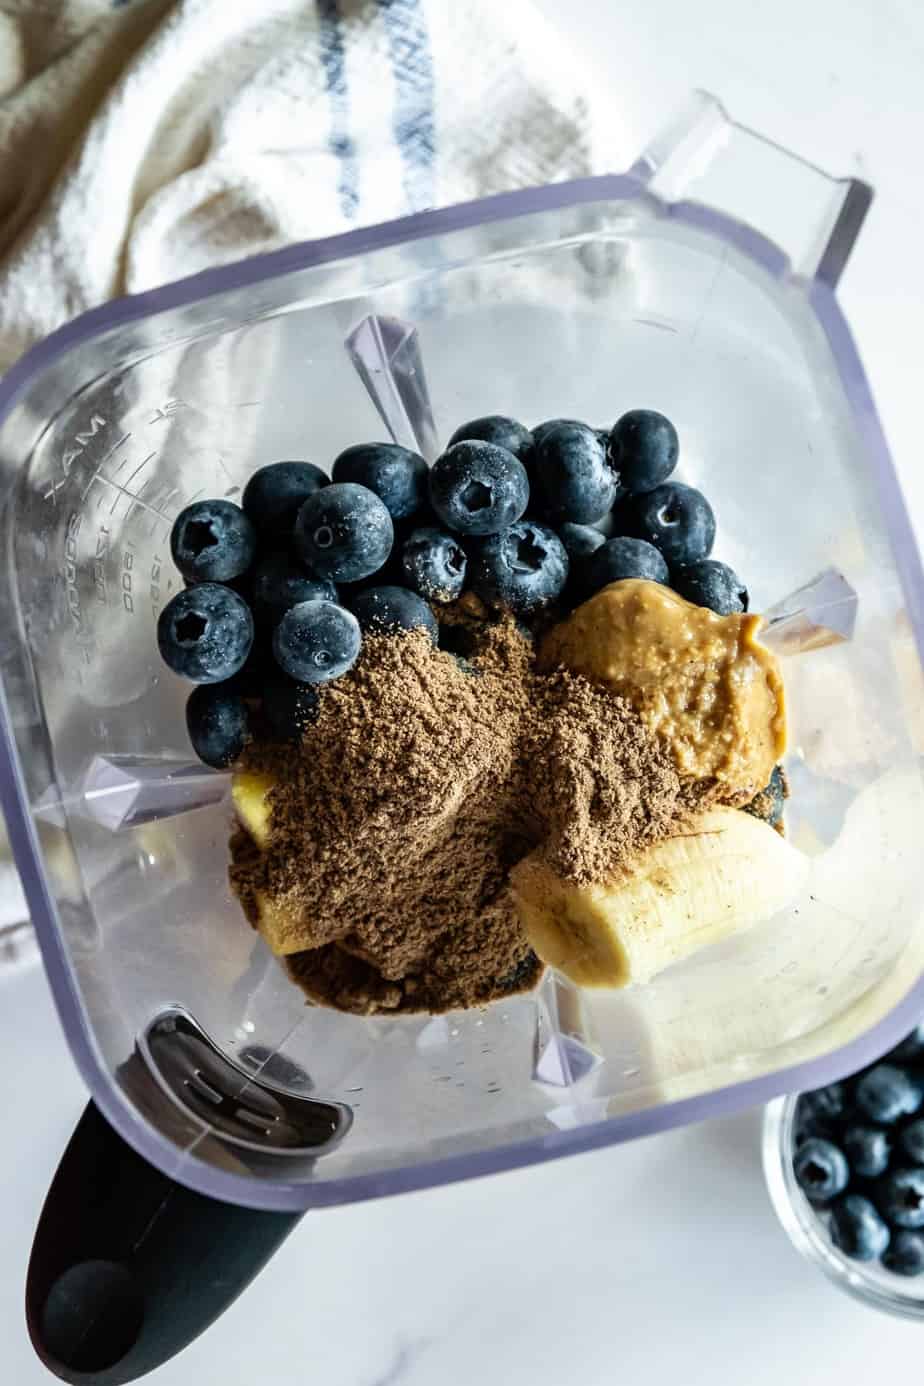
[184,1165]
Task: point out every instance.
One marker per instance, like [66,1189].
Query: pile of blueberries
[859,1159]
[280,589]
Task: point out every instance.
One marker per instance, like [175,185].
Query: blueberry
[868,1150]
[316,641]
[477,488]
[905,1254]
[275,494]
[900,1196]
[677,519]
[821,1170]
[288,706]
[212,541]
[885,1093]
[573,477]
[344,532]
[912,1141]
[523,569]
[580,541]
[396,475]
[379,609]
[205,633]
[643,449]
[621,558]
[770,803]
[499,430]
[857,1229]
[434,564]
[911,1047]
[217,722]
[821,1106]
[279,583]
[542,430]
[713,584]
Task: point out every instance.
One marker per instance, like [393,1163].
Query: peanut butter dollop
[702,682]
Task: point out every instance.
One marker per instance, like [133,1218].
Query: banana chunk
[250,794]
[282,929]
[726,872]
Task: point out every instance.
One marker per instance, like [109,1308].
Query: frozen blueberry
[821,1170]
[885,1093]
[621,558]
[713,584]
[900,1196]
[218,725]
[580,541]
[205,633]
[857,1229]
[344,532]
[770,803]
[821,1106]
[499,430]
[868,1150]
[523,569]
[316,641]
[905,1254]
[643,449]
[379,609]
[911,1047]
[279,583]
[396,475]
[288,706]
[911,1141]
[542,430]
[573,477]
[477,488]
[434,564]
[212,541]
[677,519]
[275,494]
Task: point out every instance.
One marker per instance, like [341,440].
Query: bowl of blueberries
[845,1169]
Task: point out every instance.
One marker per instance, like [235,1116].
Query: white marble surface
[659,1262]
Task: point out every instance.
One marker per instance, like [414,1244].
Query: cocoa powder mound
[605,786]
[424,779]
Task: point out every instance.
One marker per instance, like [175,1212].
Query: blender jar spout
[704,161]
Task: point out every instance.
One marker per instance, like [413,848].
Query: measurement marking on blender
[167,411]
[98,470]
[124,489]
[162,505]
[70,455]
[143,504]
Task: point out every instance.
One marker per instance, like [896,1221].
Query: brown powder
[424,779]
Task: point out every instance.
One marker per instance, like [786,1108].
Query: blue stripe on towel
[409,44]
[340,140]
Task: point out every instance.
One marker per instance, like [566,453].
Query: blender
[701,283]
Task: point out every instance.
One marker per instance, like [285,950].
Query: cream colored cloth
[143,140]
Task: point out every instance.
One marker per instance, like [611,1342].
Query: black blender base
[127,1266]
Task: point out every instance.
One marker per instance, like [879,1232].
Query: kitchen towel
[143,140]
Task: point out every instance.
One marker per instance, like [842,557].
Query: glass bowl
[866,1281]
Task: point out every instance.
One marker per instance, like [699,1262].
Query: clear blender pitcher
[701,283]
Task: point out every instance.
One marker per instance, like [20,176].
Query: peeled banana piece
[250,794]
[722,873]
[282,930]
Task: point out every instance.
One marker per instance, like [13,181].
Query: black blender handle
[127,1266]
